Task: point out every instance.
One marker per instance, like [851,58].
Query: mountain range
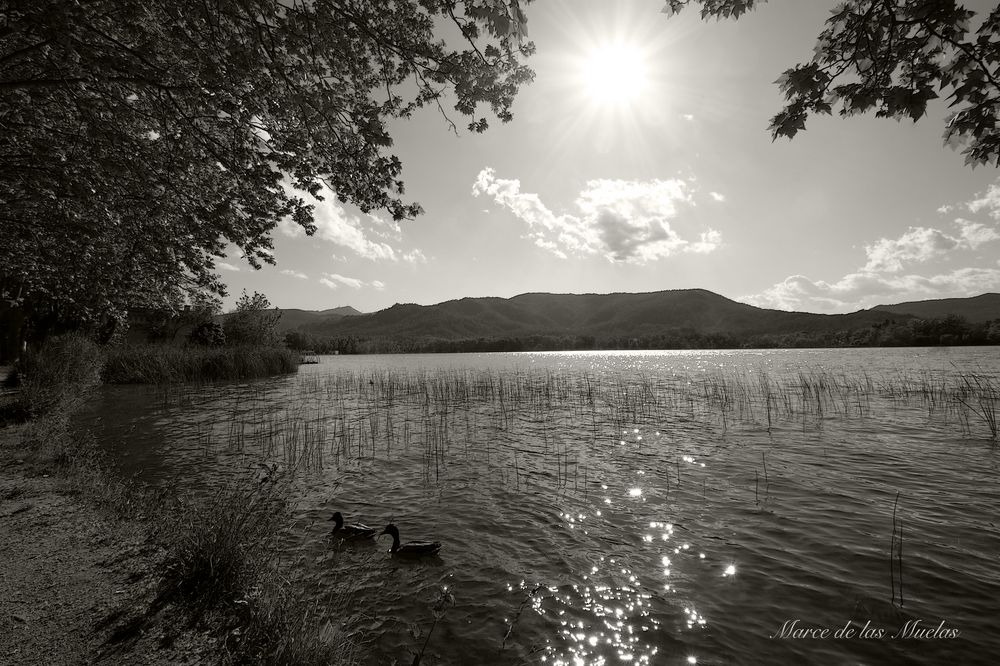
[607,315]
[292,319]
[976,309]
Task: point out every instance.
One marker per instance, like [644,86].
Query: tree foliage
[892,57]
[164,324]
[139,138]
[207,334]
[254,322]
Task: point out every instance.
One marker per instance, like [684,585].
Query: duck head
[338,520]
[391,530]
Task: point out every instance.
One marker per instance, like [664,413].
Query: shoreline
[75,574]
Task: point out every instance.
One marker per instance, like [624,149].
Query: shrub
[58,377]
[208,334]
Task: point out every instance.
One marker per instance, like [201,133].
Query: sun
[614,74]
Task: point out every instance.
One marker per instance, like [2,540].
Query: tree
[139,138]
[207,334]
[163,324]
[893,57]
[254,322]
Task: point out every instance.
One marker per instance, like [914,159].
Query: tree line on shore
[949,330]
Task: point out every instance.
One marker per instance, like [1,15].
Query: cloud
[974,234]
[988,201]
[335,225]
[710,240]
[335,281]
[366,236]
[860,290]
[226,266]
[888,276]
[918,244]
[295,274]
[415,257]
[621,220]
[717,197]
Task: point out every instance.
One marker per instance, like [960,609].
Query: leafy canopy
[139,138]
[893,57]
[253,322]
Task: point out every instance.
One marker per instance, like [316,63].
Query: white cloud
[988,201]
[887,275]
[918,244]
[621,220]
[866,289]
[335,281]
[710,240]
[415,257]
[295,274]
[334,224]
[365,236]
[717,197]
[226,266]
[974,234]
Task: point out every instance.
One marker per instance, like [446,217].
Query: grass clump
[221,568]
[164,364]
[55,382]
[220,548]
[59,376]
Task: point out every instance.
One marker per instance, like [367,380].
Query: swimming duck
[356,531]
[410,547]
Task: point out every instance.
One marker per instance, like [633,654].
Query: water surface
[619,507]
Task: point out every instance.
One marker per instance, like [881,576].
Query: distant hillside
[343,310]
[599,315]
[292,319]
[976,309]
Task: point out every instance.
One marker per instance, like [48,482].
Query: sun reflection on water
[608,619]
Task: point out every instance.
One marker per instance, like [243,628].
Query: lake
[710,507]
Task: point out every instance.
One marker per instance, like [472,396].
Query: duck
[356,531]
[410,547]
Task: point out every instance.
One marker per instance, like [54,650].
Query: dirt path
[69,574]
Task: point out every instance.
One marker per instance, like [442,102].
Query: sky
[639,160]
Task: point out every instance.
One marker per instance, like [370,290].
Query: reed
[980,396]
[162,364]
[442,603]
[896,557]
[528,425]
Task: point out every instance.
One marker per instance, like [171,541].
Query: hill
[599,315]
[294,319]
[976,309]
